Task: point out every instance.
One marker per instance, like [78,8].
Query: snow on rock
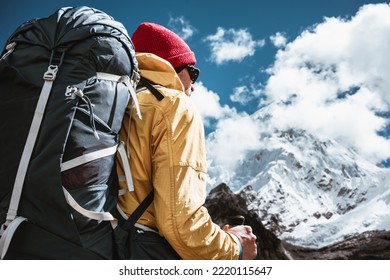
[308,191]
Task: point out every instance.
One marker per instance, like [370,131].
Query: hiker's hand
[247,239]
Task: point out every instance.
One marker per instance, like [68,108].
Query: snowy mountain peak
[309,191]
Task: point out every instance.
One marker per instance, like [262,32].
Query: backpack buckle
[135,78]
[2,229]
[51,73]
[9,48]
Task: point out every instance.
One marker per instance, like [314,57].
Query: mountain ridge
[309,191]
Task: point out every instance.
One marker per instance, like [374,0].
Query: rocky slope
[223,204]
[370,245]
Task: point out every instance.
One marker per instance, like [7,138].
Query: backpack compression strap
[12,221]
[6,236]
[88,158]
[128,82]
[104,216]
[49,78]
[94,215]
[122,153]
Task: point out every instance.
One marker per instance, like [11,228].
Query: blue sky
[325,61]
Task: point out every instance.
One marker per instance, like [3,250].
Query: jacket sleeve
[179,168]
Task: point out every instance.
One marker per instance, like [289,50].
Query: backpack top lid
[73,24]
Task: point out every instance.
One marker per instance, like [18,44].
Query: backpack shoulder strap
[130,222]
[148,84]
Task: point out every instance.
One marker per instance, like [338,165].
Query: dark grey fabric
[146,245]
[82,41]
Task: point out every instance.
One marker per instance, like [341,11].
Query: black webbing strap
[145,82]
[130,222]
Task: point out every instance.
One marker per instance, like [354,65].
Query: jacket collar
[158,71]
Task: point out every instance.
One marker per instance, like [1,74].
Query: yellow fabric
[167,151]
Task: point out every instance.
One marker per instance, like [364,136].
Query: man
[166,151]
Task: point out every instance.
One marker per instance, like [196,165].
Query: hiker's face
[186,81]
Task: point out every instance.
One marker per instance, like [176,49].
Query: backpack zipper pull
[78,92]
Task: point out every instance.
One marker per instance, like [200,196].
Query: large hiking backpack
[65,82]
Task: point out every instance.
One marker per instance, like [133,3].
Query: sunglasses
[192,71]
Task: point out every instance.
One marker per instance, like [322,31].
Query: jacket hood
[159,71]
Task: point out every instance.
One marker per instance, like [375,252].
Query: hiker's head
[156,39]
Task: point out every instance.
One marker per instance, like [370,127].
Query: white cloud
[279,40]
[335,77]
[240,95]
[232,45]
[181,27]
[233,137]
[208,104]
[244,94]
[235,133]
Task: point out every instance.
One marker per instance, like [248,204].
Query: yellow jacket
[167,152]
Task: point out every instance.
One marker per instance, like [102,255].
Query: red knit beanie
[156,39]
